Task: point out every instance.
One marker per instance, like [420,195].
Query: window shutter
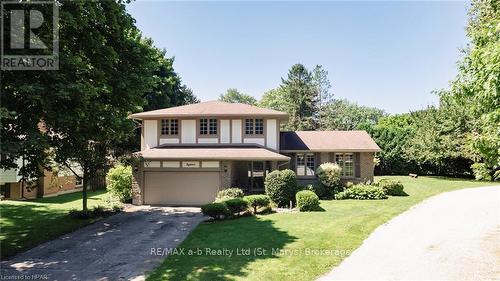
[357,165]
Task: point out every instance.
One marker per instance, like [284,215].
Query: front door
[257,171]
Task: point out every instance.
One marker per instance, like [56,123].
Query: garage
[181,187]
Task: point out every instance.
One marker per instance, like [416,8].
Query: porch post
[274,165]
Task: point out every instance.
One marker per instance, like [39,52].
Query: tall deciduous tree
[234,96]
[168,90]
[275,99]
[342,114]
[476,90]
[392,134]
[105,70]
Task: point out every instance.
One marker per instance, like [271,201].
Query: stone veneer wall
[137,180]
[226,168]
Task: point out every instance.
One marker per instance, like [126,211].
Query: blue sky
[390,55]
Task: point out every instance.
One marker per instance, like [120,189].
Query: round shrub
[281,186]
[119,182]
[362,192]
[392,187]
[307,201]
[329,175]
[229,193]
[236,205]
[258,201]
[215,210]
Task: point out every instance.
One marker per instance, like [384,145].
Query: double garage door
[181,188]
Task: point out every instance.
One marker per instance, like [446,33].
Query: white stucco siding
[8,175]
[169,141]
[225,131]
[150,133]
[259,141]
[171,164]
[236,131]
[210,164]
[208,140]
[272,134]
[188,131]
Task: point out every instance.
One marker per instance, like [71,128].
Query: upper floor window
[254,126]
[305,164]
[208,126]
[170,127]
[346,162]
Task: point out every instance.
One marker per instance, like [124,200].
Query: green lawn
[342,227]
[24,224]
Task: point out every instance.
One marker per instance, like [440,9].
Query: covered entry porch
[250,175]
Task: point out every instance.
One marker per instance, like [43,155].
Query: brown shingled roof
[213,153]
[348,141]
[211,108]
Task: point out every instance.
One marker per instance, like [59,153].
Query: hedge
[362,192]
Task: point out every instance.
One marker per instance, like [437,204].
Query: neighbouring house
[52,183]
[189,153]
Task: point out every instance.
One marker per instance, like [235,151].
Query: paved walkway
[116,248]
[452,236]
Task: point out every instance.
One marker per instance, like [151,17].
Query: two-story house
[191,152]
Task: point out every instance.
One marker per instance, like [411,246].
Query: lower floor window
[78,181]
[346,162]
[305,164]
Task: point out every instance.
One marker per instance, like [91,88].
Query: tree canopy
[341,114]
[79,113]
[475,92]
[234,96]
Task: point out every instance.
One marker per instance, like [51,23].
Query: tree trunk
[84,187]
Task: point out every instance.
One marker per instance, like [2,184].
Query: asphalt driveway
[121,247]
[452,236]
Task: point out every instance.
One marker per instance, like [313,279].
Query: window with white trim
[305,164]
[170,127]
[78,181]
[254,126]
[346,162]
[208,126]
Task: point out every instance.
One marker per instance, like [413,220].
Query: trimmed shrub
[307,201]
[258,201]
[281,186]
[80,214]
[216,210]
[229,193]
[96,212]
[481,172]
[119,182]
[236,205]
[362,192]
[329,175]
[392,187]
[323,192]
[496,176]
